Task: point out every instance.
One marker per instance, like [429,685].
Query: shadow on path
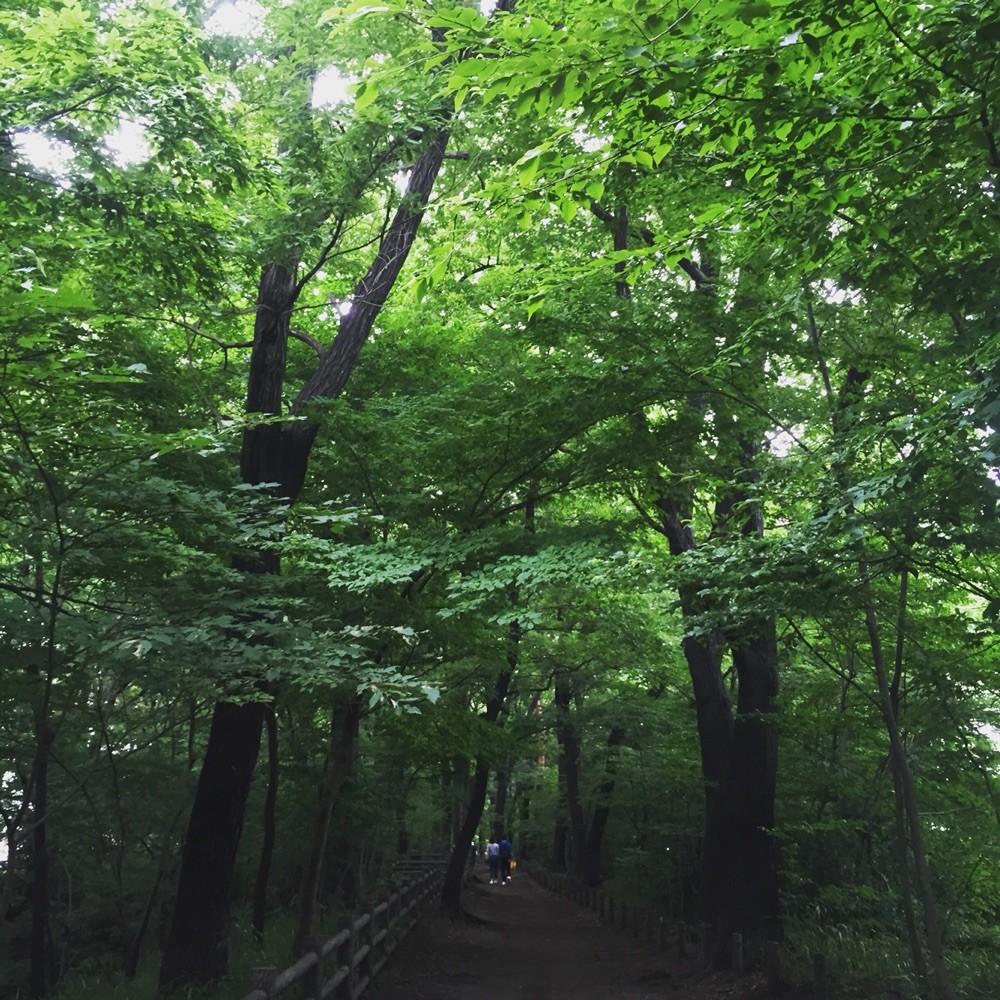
[530,944]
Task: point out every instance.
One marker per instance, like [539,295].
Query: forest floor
[522,942]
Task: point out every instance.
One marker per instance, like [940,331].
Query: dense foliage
[483,410]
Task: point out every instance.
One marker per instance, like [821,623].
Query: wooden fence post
[737,954]
[773,971]
[345,960]
[706,942]
[611,910]
[312,981]
[682,951]
[368,935]
[262,977]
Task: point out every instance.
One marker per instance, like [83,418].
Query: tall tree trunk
[267,844]
[344,722]
[901,850]
[907,791]
[197,948]
[451,892]
[713,712]
[569,758]
[500,825]
[273,453]
[753,769]
[40,950]
[590,866]
[752,785]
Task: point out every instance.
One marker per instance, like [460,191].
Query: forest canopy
[421,420]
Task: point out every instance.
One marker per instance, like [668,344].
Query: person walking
[504,850]
[493,860]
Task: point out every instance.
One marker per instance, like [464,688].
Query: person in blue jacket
[505,852]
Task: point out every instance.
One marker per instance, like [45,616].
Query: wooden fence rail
[360,950]
[659,931]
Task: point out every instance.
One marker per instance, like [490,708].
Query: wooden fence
[662,933]
[360,949]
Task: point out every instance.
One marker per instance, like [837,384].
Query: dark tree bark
[451,892]
[569,760]
[752,785]
[267,845]
[590,863]
[753,770]
[40,947]
[906,790]
[367,300]
[344,723]
[197,948]
[272,453]
[713,712]
[500,825]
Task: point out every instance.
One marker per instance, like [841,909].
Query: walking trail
[522,942]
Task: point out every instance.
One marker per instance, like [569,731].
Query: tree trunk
[274,453]
[590,863]
[367,300]
[752,785]
[901,851]
[344,723]
[713,711]
[451,892]
[267,845]
[907,791]
[500,825]
[569,759]
[40,951]
[197,949]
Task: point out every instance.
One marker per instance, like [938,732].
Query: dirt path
[526,943]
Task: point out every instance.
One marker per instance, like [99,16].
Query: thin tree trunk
[267,844]
[134,949]
[344,724]
[40,952]
[451,892]
[569,757]
[903,779]
[901,850]
[500,802]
